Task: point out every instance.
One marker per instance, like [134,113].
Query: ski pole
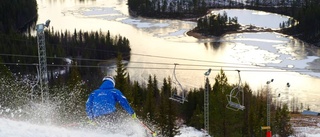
[153,133]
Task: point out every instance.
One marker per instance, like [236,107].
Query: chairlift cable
[166,68]
[261,69]
[226,68]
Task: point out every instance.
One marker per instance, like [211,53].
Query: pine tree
[148,106]
[168,111]
[13,93]
[218,102]
[282,124]
[138,98]
[197,118]
[5,81]
[121,78]
[76,95]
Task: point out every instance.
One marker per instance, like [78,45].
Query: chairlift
[233,101]
[178,97]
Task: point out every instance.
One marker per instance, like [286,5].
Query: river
[158,44]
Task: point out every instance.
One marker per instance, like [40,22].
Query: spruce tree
[168,111]
[121,78]
[148,106]
[282,125]
[197,118]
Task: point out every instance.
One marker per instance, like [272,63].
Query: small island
[216,25]
[306,13]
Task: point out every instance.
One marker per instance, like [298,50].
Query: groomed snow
[12,128]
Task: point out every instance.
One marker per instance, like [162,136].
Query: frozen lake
[158,44]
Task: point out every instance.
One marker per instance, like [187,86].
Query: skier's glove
[154,134]
[134,116]
[90,122]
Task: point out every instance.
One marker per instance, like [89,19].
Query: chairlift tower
[287,95]
[206,102]
[43,73]
[268,102]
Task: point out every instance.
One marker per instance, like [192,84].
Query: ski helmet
[109,78]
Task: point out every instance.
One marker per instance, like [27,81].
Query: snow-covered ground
[306,126]
[12,128]
[307,131]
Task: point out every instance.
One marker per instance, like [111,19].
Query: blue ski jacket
[103,101]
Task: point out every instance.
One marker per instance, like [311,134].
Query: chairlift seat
[236,106]
[178,98]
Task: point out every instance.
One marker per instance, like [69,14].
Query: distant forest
[306,12]
[16,15]
[308,17]
[18,46]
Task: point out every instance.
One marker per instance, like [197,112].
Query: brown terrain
[298,120]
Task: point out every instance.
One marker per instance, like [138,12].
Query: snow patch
[12,128]
[190,132]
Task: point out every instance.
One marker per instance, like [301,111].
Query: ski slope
[13,128]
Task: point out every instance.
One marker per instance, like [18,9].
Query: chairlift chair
[233,101]
[178,97]
[181,98]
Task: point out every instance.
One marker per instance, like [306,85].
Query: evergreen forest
[216,24]
[20,97]
[22,14]
[151,103]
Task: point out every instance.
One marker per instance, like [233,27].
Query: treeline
[19,50]
[152,104]
[308,27]
[17,15]
[167,8]
[306,12]
[216,25]
[78,46]
[197,8]
[86,45]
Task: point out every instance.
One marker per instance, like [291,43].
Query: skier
[101,104]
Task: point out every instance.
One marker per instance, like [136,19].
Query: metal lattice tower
[206,102]
[43,73]
[268,102]
[287,95]
[268,106]
[206,106]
